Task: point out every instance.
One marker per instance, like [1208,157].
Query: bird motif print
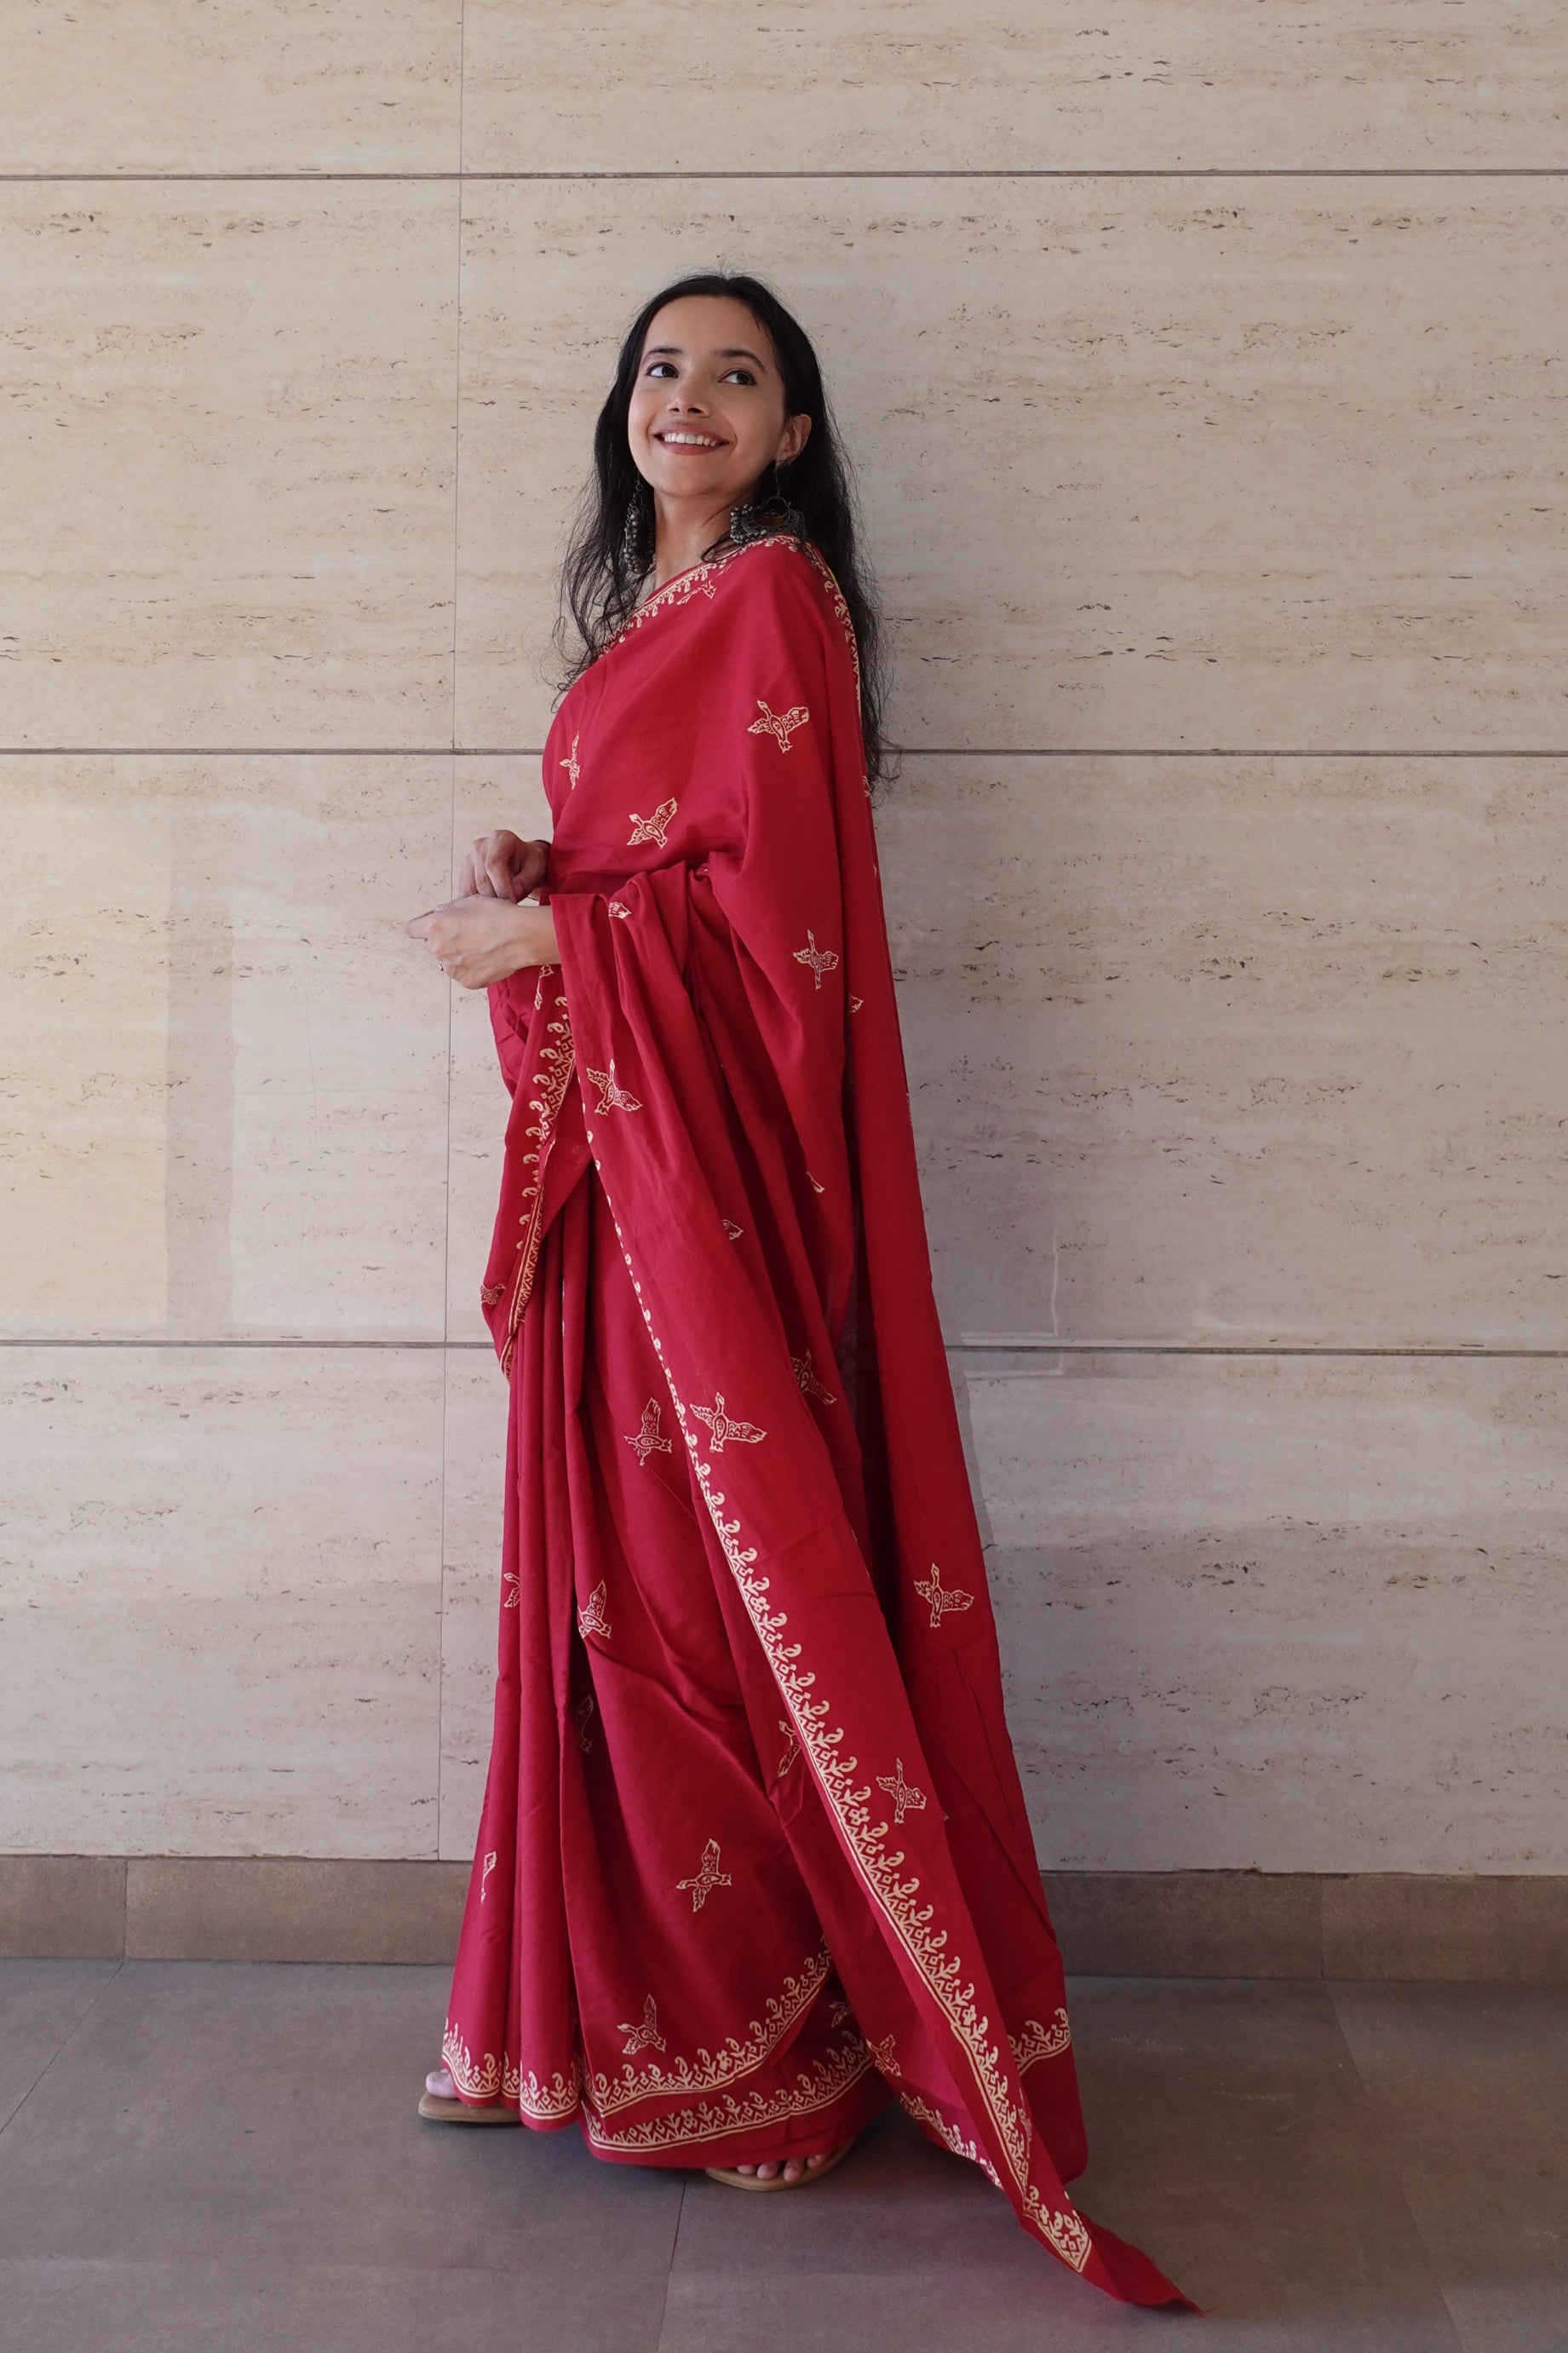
[820,960]
[613,1096]
[582,1717]
[790,1748]
[646,2037]
[906,1798]
[807,1382]
[732,1230]
[882,2053]
[571,763]
[489,1864]
[644,1440]
[616,908]
[942,1599]
[780,726]
[723,1428]
[652,828]
[703,1882]
[593,1615]
[513,1600]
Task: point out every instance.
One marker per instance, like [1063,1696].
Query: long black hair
[611,544]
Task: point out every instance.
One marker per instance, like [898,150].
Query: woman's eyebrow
[676,351]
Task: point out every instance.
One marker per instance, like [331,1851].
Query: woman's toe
[440,2085]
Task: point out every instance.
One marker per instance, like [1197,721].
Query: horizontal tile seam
[899,750]
[1022,1345]
[306,177]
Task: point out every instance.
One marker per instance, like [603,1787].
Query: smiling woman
[753,1858]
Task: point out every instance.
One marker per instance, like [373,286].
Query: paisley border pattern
[729,2062]
[552,1082]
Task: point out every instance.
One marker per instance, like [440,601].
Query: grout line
[1392,2159]
[996,1345]
[451,994]
[994,172]
[103,1985]
[900,751]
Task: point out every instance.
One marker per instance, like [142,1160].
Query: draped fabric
[753,1857]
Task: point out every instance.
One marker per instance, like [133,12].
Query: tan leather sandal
[734,2180]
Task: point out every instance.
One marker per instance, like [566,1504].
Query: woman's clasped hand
[483,934]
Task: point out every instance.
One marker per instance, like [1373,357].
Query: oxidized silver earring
[760,518]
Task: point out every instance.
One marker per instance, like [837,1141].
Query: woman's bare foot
[440,2085]
[792,2168]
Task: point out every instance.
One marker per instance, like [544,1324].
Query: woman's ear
[794,438]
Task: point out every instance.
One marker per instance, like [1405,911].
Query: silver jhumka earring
[760,518]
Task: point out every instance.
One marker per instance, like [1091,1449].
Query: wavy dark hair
[612,543]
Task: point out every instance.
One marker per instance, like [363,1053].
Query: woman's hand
[478,941]
[500,866]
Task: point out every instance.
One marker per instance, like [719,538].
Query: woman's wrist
[535,937]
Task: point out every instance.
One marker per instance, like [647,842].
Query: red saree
[753,1856]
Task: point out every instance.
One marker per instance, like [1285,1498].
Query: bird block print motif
[703,1882]
[807,1382]
[613,1096]
[723,1427]
[820,960]
[644,1440]
[571,763]
[646,2037]
[780,726]
[942,1600]
[593,1615]
[906,1798]
[652,828]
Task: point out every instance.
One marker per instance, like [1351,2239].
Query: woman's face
[707,419]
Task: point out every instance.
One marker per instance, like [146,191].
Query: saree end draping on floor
[753,1857]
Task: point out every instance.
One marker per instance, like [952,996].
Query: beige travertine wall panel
[1244,463]
[178,86]
[227,472]
[1151,84]
[232,1059]
[220,1632]
[477,1394]
[1265,1051]
[1283,1615]
[490,793]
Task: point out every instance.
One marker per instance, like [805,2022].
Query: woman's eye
[661,367]
[744,375]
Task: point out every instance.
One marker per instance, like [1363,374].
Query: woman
[753,1857]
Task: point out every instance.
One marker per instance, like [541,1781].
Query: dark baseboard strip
[1497,1930]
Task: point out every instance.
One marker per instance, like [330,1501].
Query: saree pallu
[753,1856]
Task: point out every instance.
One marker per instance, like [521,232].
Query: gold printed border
[820,2086]
[728,2064]
[878,1868]
[552,1082]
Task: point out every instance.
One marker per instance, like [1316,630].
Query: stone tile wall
[1203,374]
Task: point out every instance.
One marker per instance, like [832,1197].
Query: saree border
[552,1082]
[729,2063]
[878,1867]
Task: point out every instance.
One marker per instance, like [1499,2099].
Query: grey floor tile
[232,2111]
[42,2003]
[67,2306]
[1471,2086]
[1231,2137]
[901,2311]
